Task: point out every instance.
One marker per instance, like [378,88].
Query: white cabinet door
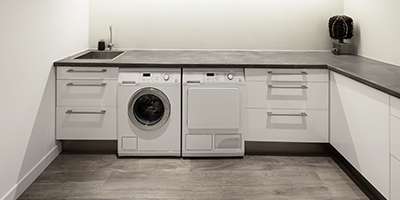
[395,136]
[286,125]
[87,72]
[395,127]
[395,106]
[394,178]
[87,92]
[299,75]
[360,128]
[287,95]
[86,123]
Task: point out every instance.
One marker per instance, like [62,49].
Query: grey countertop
[379,75]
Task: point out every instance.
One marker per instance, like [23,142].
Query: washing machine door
[149,108]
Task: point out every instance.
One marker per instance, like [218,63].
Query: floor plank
[96,176]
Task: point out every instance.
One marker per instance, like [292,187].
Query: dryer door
[149,108]
[213,108]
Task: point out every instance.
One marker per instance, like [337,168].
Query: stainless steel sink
[100,55]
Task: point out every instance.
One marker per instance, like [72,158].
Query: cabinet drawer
[302,75]
[395,136]
[87,92]
[286,125]
[287,95]
[86,123]
[395,106]
[87,73]
[394,178]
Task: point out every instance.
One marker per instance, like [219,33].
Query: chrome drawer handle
[303,114]
[193,82]
[87,71]
[294,73]
[86,84]
[288,87]
[128,82]
[102,112]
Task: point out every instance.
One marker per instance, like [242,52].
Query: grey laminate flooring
[94,176]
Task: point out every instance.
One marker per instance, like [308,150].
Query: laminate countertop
[381,76]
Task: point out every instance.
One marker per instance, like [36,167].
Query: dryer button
[230,76]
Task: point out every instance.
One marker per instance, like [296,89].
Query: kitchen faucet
[110,45]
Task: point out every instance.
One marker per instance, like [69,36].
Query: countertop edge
[174,65]
[374,85]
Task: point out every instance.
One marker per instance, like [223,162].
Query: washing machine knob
[230,76]
[166,77]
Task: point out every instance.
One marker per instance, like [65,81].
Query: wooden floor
[94,176]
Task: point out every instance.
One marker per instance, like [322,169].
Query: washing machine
[149,112]
[213,112]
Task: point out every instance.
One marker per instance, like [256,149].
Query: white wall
[377,28]
[214,24]
[33,35]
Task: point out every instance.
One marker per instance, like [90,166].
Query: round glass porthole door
[148,109]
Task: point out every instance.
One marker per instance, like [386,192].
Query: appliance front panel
[213,108]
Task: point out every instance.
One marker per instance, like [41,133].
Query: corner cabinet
[359,128]
[86,103]
[287,105]
[394,148]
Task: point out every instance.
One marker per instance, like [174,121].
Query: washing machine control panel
[159,77]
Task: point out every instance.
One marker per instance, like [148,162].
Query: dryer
[213,112]
[149,102]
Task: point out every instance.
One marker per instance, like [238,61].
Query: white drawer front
[287,95]
[87,73]
[86,123]
[395,136]
[87,92]
[302,75]
[395,106]
[394,178]
[270,125]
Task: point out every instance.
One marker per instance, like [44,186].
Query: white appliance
[149,112]
[213,112]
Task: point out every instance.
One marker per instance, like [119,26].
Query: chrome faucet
[110,45]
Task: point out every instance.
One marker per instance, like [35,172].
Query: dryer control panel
[223,77]
[213,76]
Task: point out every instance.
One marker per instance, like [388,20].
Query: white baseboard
[28,179]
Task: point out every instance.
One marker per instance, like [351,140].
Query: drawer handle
[86,84]
[303,114]
[193,82]
[87,71]
[294,73]
[288,87]
[128,82]
[102,112]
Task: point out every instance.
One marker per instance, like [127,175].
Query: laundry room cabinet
[394,178]
[394,148]
[86,103]
[287,105]
[359,129]
[395,127]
